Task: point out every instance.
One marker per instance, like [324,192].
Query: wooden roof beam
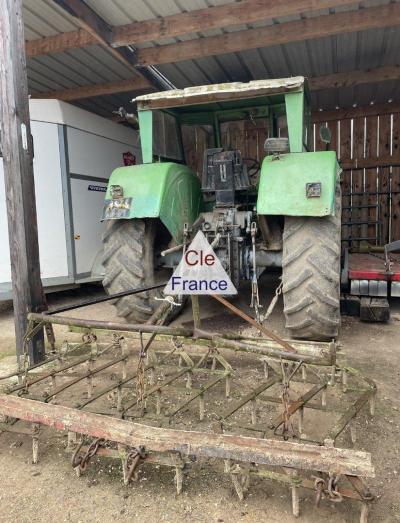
[273,35]
[353,78]
[93,24]
[228,15]
[233,14]
[100,32]
[90,91]
[330,81]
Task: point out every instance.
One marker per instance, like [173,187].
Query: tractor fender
[298,184]
[168,191]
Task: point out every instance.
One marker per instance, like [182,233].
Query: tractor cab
[235,161]
[210,116]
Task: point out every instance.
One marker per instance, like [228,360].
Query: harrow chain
[131,462]
[81,461]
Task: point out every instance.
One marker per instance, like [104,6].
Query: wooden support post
[196,311]
[18,175]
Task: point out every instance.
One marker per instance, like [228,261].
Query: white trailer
[75,152]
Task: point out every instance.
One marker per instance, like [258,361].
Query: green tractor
[283,211]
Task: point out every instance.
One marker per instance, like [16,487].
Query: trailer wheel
[311,275]
[130,250]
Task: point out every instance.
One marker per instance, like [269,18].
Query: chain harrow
[133,458]
[81,461]
[151,386]
[328,489]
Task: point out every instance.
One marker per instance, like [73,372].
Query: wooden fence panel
[345,154]
[383,185]
[369,152]
[370,188]
[359,212]
[395,182]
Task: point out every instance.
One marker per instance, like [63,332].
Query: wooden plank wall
[395,181]
[196,140]
[370,193]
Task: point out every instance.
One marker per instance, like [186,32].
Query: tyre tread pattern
[311,275]
[125,253]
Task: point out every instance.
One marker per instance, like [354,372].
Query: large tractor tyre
[131,249]
[311,275]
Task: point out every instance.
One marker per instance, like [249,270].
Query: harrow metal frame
[306,463]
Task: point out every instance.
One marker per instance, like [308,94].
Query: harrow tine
[35,442]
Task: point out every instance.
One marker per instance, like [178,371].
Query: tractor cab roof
[222,96]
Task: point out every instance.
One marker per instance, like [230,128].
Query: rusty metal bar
[311,348]
[106,325]
[360,487]
[251,396]
[272,399]
[320,352]
[50,374]
[299,482]
[81,405]
[287,346]
[190,443]
[320,357]
[350,413]
[196,311]
[317,357]
[199,392]
[20,372]
[58,371]
[298,404]
[101,299]
[158,387]
[87,374]
[221,342]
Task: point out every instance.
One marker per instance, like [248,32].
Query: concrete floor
[50,490]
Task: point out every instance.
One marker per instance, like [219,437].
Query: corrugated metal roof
[94,64]
[73,68]
[44,18]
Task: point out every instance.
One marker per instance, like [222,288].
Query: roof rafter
[93,24]
[316,83]
[236,13]
[101,32]
[353,78]
[90,91]
[299,30]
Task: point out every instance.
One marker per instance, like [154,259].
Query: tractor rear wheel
[130,260]
[311,275]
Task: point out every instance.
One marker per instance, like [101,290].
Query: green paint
[171,191]
[295,119]
[146,135]
[282,187]
[168,191]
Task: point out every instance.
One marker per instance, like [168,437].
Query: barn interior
[100,56]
